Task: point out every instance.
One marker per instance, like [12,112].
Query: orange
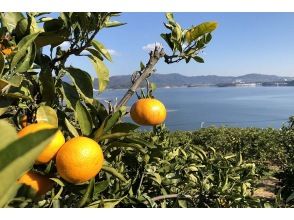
[40,183]
[51,149]
[7,51]
[79,160]
[148,111]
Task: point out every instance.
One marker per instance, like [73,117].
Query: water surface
[191,108]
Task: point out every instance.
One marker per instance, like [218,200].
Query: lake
[191,108]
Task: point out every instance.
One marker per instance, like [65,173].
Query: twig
[146,72]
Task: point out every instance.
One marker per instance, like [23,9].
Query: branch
[77,51]
[146,72]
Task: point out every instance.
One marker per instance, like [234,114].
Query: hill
[178,80]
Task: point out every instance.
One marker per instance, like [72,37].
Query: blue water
[191,108]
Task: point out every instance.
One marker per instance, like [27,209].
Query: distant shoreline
[202,86]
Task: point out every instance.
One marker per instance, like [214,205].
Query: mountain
[177,80]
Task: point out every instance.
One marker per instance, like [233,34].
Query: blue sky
[243,43]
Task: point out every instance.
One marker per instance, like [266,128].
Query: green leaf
[17,157]
[47,114]
[2,63]
[124,127]
[101,71]
[201,29]
[47,86]
[10,19]
[128,145]
[71,95]
[14,81]
[170,16]
[114,203]
[198,59]
[140,141]
[113,135]
[28,59]
[53,25]
[71,128]
[26,26]
[114,172]
[109,24]
[53,38]
[84,119]
[99,188]
[7,133]
[95,53]
[87,195]
[58,181]
[102,49]
[112,121]
[23,46]
[167,38]
[82,80]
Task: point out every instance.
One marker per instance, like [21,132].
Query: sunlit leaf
[101,71]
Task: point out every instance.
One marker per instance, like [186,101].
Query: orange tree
[33,90]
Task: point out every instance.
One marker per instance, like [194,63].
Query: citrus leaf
[99,188]
[10,19]
[17,157]
[109,24]
[88,193]
[28,59]
[201,29]
[47,114]
[170,16]
[101,48]
[71,128]
[198,59]
[124,127]
[114,172]
[7,133]
[84,118]
[58,181]
[113,135]
[167,38]
[128,145]
[23,46]
[112,120]
[52,38]
[70,94]
[113,204]
[101,71]
[47,86]
[95,53]
[82,80]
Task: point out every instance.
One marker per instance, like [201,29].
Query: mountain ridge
[179,80]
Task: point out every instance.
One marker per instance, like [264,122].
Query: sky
[243,43]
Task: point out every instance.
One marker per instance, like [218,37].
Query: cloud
[113,52]
[151,46]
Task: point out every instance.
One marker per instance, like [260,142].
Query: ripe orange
[40,183]
[7,51]
[148,112]
[79,160]
[51,149]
